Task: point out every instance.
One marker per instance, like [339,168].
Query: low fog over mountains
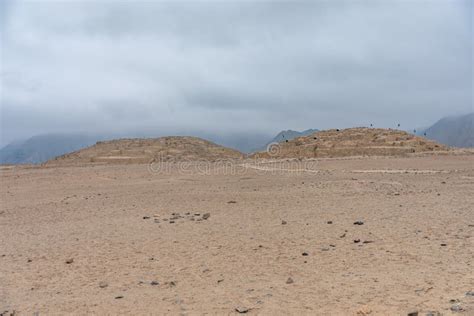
[451,131]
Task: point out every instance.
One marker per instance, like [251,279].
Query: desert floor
[102,239]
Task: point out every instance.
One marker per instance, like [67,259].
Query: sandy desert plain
[329,236]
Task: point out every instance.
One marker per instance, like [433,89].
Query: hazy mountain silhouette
[286,135]
[41,148]
[452,131]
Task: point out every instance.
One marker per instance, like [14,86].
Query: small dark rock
[290,281]
[443,245]
[154,283]
[356,241]
[172,222]
[118,297]
[343,235]
[359,223]
[412,314]
[368,241]
[304,254]
[69,261]
[470,293]
[206,216]
[232,202]
[329,222]
[146,217]
[29,260]
[103,285]
[283,222]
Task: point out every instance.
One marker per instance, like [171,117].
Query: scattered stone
[103,285]
[325,249]
[171,222]
[69,261]
[397,194]
[433,314]
[333,246]
[221,280]
[146,217]
[290,281]
[456,308]
[364,310]
[443,245]
[283,222]
[356,241]
[470,293]
[206,216]
[304,254]
[232,202]
[157,221]
[367,242]
[154,283]
[359,223]
[118,297]
[29,260]
[242,309]
[329,222]
[172,284]
[412,314]
[343,235]
[197,214]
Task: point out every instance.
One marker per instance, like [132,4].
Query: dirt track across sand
[358,237]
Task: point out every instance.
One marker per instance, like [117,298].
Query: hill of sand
[173,148]
[352,142]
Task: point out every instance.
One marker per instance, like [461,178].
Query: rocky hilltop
[352,142]
[173,148]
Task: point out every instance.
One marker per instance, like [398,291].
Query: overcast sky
[232,67]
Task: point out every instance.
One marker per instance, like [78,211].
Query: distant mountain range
[451,131]
[287,136]
[38,149]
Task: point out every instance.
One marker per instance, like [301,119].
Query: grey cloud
[232,67]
